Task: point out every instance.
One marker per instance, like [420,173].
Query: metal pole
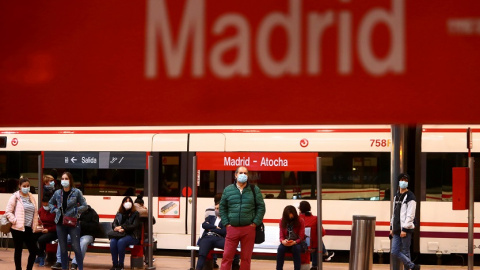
[319,214]
[471,162]
[194,212]
[40,182]
[397,166]
[150,213]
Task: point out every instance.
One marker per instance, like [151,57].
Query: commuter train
[110,162]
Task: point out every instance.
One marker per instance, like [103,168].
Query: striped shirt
[29,211]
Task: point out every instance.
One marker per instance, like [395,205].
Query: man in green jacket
[240,215]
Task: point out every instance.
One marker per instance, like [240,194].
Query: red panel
[291,62]
[257,161]
[460,188]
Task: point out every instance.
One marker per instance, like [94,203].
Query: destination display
[95,160]
[266,161]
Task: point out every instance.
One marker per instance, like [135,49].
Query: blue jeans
[401,249]
[84,242]
[296,250]
[118,248]
[63,232]
[314,256]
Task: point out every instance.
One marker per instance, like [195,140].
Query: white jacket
[407,212]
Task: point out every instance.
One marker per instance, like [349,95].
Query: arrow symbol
[73,159]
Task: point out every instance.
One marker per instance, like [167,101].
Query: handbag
[5,225]
[115,235]
[260,229]
[293,236]
[69,221]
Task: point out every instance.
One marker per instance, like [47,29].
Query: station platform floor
[103,261]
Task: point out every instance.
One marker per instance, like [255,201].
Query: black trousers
[206,244]
[43,239]
[19,238]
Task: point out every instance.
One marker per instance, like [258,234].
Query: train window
[207,186]
[439,175]
[169,174]
[3,142]
[14,165]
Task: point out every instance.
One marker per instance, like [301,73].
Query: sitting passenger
[49,232]
[143,214]
[126,221]
[292,232]
[89,227]
[212,237]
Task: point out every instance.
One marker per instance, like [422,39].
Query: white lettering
[89,160]
[241,41]
[316,26]
[291,24]
[278,162]
[395,60]
[174,54]
[228,161]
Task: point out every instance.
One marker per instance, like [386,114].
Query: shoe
[37,260]
[416,267]
[314,268]
[114,267]
[120,267]
[41,261]
[329,256]
[57,265]
[74,266]
[215,266]
[235,267]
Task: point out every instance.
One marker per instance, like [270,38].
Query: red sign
[190,62]
[14,141]
[257,161]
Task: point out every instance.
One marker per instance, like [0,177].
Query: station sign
[266,161]
[95,160]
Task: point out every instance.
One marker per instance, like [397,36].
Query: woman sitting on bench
[127,229]
[292,232]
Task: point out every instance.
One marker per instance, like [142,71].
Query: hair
[236,171]
[217,198]
[23,180]
[45,198]
[48,177]
[305,208]
[70,178]
[122,209]
[289,209]
[139,200]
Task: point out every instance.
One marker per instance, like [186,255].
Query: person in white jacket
[22,212]
[402,223]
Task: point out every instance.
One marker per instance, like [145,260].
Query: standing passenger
[240,216]
[402,223]
[127,220]
[68,202]
[21,211]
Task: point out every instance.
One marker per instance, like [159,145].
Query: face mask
[52,184]
[65,183]
[46,208]
[242,178]
[403,184]
[25,190]
[127,205]
[217,213]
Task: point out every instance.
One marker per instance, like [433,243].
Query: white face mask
[127,205]
[65,183]
[242,178]
[46,208]
[25,190]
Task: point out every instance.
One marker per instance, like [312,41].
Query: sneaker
[57,265]
[329,256]
[74,266]
[120,267]
[37,260]
[41,261]
[114,267]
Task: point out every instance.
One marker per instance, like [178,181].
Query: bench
[102,242]
[269,247]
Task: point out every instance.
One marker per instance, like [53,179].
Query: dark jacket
[209,226]
[89,223]
[238,209]
[130,222]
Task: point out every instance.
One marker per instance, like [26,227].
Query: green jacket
[238,209]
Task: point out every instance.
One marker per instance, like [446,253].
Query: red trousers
[246,236]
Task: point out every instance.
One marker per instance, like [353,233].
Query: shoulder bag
[69,221]
[260,229]
[5,225]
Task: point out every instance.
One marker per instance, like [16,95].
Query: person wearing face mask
[240,215]
[22,212]
[127,220]
[292,232]
[68,202]
[213,236]
[402,223]
[48,185]
[49,231]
